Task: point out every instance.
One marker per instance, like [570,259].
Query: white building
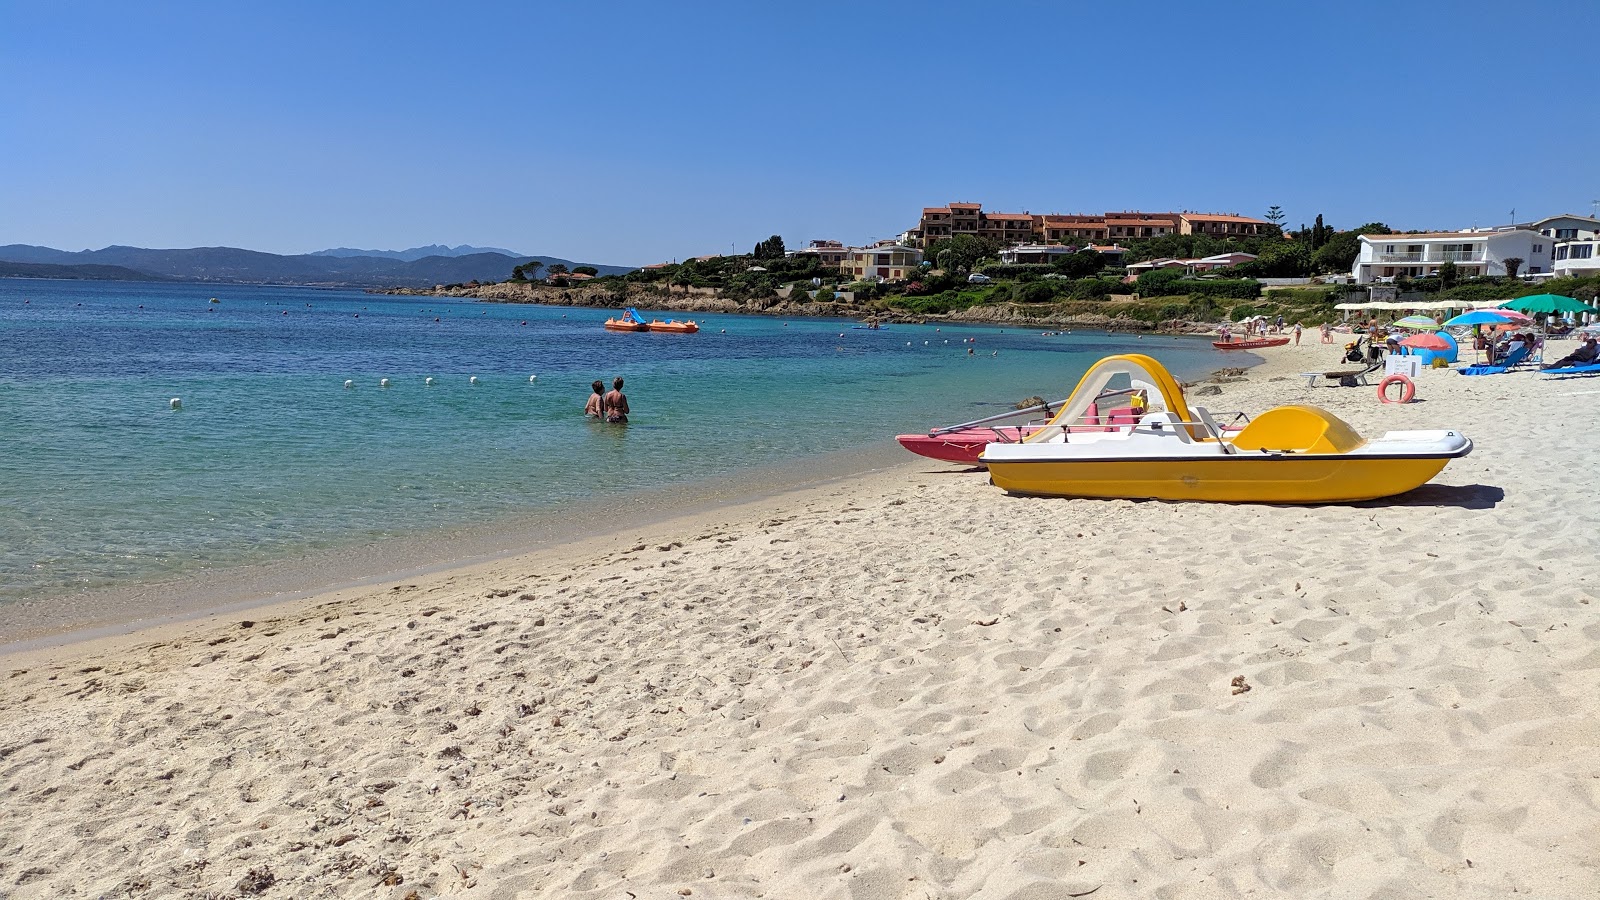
[1035,253]
[1577,244]
[1384,257]
[1190,266]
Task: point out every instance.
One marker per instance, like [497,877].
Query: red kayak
[1253,344]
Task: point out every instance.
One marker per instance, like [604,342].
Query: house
[1190,266]
[887,262]
[827,253]
[1023,254]
[1112,253]
[1384,257]
[1567,227]
[1574,259]
[1006,229]
[1218,225]
[940,222]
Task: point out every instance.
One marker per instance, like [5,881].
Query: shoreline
[903,681]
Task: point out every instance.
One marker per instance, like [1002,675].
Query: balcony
[1461,256]
[1400,257]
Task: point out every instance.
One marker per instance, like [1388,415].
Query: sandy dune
[906,686]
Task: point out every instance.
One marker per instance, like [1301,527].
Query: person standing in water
[616,402]
[595,408]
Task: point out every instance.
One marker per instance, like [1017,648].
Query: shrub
[1019,271]
[1035,292]
[1232,288]
[1094,288]
[1158,282]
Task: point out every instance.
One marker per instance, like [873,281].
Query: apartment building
[940,222]
[1384,257]
[1576,249]
[1218,225]
[885,262]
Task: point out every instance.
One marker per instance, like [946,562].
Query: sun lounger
[1512,359]
[1591,369]
[1338,376]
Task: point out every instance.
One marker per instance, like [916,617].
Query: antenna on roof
[1595,204]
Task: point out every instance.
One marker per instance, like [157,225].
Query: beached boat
[673,326]
[1289,454]
[962,445]
[1250,343]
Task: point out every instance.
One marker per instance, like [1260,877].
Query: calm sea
[271,456]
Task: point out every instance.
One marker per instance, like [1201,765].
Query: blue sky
[634,133]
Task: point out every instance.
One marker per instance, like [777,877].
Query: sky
[632,133]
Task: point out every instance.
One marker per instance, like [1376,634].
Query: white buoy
[383,382]
[349,384]
[428,380]
[924,343]
[175,403]
[532,378]
[472,380]
[723,331]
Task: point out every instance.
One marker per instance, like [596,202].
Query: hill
[233,265]
[86,273]
[416,253]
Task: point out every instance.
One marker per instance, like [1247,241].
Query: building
[1023,254]
[1384,257]
[886,262]
[940,222]
[1222,226]
[1075,229]
[1190,266]
[1574,259]
[1567,227]
[1140,225]
[827,253]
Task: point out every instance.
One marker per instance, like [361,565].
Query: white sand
[913,686]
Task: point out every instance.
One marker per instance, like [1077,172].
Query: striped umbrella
[1417,323]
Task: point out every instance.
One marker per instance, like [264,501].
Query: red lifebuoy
[1408,389]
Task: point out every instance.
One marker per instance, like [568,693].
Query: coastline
[904,681]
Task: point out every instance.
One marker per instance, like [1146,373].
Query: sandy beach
[904,686]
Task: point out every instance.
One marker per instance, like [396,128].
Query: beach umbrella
[1478,317]
[1417,323]
[1425,342]
[1548,303]
[1511,314]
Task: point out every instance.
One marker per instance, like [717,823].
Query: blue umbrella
[1478,317]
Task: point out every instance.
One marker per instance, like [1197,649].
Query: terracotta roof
[966,206]
[1106,248]
[1011,217]
[930,210]
[1074,220]
[1124,218]
[1213,217]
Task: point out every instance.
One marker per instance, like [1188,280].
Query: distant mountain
[232,265]
[416,253]
[87,273]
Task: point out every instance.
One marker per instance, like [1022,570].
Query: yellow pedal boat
[1289,454]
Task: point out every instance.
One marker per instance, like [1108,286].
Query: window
[1538,248]
[1388,248]
[1581,251]
[1561,253]
[1566,233]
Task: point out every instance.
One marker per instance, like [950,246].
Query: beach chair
[1345,377]
[1512,360]
[1591,369]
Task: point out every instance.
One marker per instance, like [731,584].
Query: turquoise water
[270,456]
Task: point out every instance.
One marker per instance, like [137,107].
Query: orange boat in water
[632,321]
[673,326]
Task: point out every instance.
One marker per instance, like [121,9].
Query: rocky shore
[705,300]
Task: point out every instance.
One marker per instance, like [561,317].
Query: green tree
[961,252]
[1447,275]
[1082,264]
[1513,266]
[526,271]
[771,248]
[1275,215]
[586,270]
[556,269]
[1158,282]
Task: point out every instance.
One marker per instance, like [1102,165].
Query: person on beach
[616,403]
[596,407]
[1587,354]
[1327,333]
[1297,330]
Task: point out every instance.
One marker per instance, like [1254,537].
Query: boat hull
[619,325]
[674,327]
[1250,345]
[958,446]
[1340,478]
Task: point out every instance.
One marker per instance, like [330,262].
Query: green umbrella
[1549,303]
[1417,323]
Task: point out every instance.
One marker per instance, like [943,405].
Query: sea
[152,432]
